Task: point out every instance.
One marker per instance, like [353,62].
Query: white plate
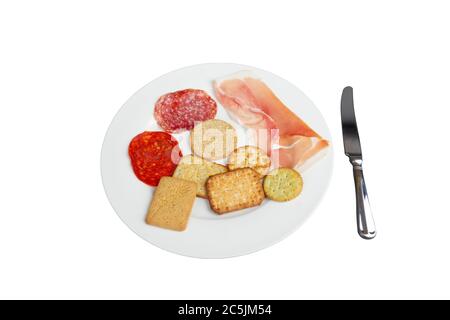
[208,235]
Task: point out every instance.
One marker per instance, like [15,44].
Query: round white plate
[208,235]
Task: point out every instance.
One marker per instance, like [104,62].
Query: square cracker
[198,170]
[172,203]
[235,190]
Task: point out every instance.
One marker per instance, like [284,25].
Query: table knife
[352,147]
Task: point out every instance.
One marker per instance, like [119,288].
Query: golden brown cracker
[213,139]
[249,157]
[234,190]
[172,203]
[198,170]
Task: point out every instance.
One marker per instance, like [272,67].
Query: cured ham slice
[275,128]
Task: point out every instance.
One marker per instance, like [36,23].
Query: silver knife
[352,147]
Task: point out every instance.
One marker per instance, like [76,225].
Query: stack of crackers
[243,183]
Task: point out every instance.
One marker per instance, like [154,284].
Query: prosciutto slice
[273,126]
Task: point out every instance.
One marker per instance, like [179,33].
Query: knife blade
[352,148]
[352,145]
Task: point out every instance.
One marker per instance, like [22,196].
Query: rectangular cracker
[172,203]
[198,170]
[235,190]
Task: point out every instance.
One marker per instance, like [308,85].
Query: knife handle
[366,223]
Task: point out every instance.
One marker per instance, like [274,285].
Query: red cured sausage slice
[180,110]
[153,155]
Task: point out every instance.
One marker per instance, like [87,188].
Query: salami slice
[180,110]
[153,155]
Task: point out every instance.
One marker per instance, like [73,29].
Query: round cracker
[213,139]
[283,184]
[249,157]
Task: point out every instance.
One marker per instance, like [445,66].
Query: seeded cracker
[283,184]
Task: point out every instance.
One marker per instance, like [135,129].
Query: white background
[66,67]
